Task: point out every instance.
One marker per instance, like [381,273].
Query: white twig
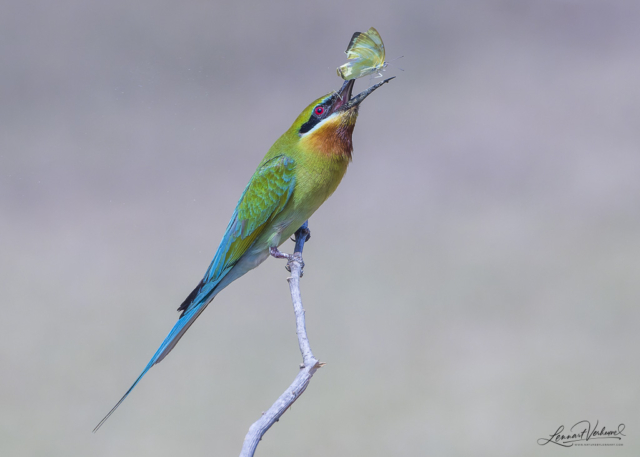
[310,363]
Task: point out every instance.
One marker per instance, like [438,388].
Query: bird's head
[326,125]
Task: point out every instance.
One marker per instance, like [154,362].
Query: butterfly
[366,55]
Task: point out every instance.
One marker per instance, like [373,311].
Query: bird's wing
[262,200]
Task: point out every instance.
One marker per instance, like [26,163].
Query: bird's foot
[279,255]
[290,258]
[296,257]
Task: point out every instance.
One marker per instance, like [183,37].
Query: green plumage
[293,165]
[265,197]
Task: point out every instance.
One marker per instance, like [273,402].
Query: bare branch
[310,363]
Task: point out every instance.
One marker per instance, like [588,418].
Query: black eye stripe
[314,119]
[311,123]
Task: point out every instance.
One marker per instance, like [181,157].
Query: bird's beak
[343,100]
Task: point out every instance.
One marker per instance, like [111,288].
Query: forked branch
[309,363]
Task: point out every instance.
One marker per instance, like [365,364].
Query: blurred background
[472,285]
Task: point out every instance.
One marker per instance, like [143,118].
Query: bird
[298,173]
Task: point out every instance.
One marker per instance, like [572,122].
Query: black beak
[355,101]
[343,97]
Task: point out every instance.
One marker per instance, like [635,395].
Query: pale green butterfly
[366,55]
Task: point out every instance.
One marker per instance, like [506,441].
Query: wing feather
[262,200]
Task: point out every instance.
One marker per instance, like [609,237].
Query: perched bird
[300,171]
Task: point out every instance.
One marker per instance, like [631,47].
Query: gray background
[472,285]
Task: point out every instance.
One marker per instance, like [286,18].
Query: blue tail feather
[167,345]
[104,419]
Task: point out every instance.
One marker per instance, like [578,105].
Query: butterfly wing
[354,69]
[366,45]
[374,36]
[366,55]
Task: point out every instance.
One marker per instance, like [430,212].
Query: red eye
[319,110]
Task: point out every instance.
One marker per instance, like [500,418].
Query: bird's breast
[316,179]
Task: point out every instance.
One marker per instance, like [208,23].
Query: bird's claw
[292,259]
[288,266]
